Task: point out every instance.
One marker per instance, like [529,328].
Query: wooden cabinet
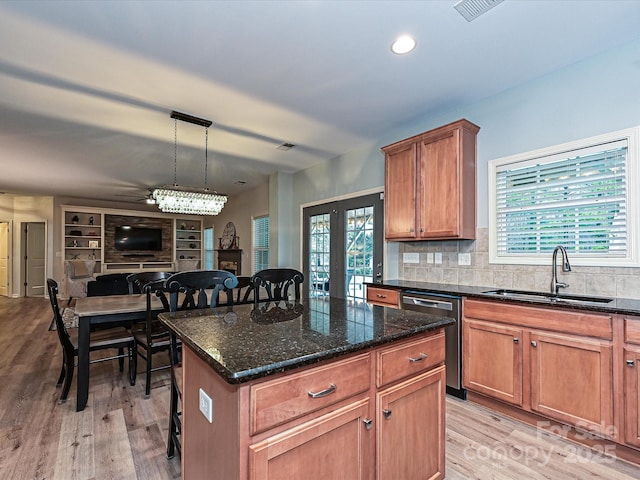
[563,372]
[430,184]
[378,414]
[631,379]
[290,397]
[492,363]
[571,380]
[386,297]
[335,445]
[411,428]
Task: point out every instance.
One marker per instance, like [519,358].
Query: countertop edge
[619,306]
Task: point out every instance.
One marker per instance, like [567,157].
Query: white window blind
[578,198]
[260,242]
[208,248]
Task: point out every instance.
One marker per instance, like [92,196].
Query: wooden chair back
[275,283]
[242,293]
[63,334]
[199,289]
[137,281]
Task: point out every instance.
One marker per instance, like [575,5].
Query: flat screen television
[138,238]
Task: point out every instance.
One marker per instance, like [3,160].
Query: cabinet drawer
[279,401]
[382,296]
[410,358]
[632,330]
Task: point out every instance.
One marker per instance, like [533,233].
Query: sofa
[108,284]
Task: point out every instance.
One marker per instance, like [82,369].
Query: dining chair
[275,283]
[188,291]
[110,338]
[151,336]
[241,294]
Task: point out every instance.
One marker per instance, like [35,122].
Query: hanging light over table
[191,201]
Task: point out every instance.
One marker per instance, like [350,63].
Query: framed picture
[94,244]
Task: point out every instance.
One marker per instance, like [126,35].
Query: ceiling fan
[147,198]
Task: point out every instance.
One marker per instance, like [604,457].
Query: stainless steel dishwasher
[448,306]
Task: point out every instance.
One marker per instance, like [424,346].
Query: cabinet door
[411,428]
[400,192]
[335,445]
[492,361]
[439,186]
[632,397]
[571,380]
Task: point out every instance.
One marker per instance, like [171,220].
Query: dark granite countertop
[624,306]
[242,343]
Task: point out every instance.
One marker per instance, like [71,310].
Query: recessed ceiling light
[403,44]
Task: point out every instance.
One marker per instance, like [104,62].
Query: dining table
[115,310]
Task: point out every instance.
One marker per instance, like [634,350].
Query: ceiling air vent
[285,146]
[472,9]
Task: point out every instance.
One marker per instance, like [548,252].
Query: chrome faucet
[566,267]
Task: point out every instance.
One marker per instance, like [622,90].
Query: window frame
[549,154]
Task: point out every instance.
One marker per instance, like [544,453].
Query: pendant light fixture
[186,200]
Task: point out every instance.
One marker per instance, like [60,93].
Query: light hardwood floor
[120,435]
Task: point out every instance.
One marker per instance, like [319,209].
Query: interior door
[343,246]
[4,258]
[34,259]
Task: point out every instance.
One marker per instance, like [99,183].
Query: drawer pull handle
[630,363]
[379,295]
[323,393]
[386,413]
[418,359]
[368,423]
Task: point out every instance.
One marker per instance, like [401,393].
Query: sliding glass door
[343,246]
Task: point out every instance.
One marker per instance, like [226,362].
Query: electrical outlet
[438,258]
[464,259]
[411,257]
[206,406]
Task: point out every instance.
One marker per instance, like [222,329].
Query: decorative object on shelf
[75,233]
[228,236]
[183,226]
[75,243]
[75,220]
[91,220]
[93,244]
[192,245]
[193,201]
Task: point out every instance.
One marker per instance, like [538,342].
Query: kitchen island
[323,388]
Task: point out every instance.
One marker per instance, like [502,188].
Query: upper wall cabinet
[430,184]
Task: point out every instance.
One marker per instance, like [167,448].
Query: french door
[343,246]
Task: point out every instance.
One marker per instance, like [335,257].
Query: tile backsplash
[601,281]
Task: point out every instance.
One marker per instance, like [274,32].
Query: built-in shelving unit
[87,234]
[82,235]
[188,243]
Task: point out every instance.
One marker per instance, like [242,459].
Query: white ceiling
[86,88]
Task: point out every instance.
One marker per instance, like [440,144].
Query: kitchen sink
[548,297]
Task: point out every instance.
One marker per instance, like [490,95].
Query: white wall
[241,209]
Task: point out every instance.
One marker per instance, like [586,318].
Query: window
[580,195]
[260,236]
[208,248]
